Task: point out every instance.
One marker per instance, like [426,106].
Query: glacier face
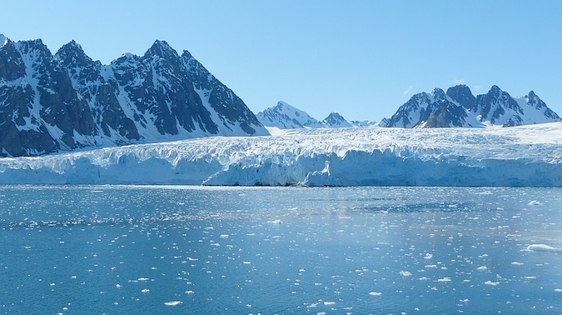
[519,156]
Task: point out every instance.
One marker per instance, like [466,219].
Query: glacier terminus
[517,156]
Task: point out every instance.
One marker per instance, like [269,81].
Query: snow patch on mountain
[520,156]
[3,40]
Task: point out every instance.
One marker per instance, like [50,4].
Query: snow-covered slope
[3,40]
[519,156]
[66,101]
[459,108]
[285,116]
[335,120]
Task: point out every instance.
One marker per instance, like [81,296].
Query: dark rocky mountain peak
[335,120]
[72,54]
[534,100]
[460,108]
[160,48]
[70,101]
[462,95]
[438,93]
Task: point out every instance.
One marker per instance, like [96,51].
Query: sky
[362,59]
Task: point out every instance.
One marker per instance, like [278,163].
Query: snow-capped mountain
[458,107]
[518,156]
[335,120]
[285,116]
[65,101]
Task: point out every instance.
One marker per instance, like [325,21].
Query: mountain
[51,103]
[335,120]
[458,107]
[383,123]
[363,123]
[285,116]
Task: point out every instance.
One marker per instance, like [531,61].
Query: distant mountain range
[65,101]
[51,103]
[458,107]
[285,116]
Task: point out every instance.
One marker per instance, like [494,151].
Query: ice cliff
[519,156]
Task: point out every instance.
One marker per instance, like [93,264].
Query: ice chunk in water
[405,273]
[173,303]
[543,248]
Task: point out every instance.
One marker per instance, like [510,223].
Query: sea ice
[405,273]
[543,248]
[173,303]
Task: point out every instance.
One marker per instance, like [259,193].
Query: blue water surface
[195,250]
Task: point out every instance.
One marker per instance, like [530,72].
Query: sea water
[195,250]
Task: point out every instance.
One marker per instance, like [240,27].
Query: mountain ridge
[65,101]
[286,116]
[458,107]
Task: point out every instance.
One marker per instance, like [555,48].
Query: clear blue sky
[360,58]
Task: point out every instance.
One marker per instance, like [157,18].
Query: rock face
[458,107]
[51,103]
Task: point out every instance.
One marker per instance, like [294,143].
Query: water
[116,249]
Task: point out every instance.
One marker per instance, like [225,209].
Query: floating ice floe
[534,203]
[405,273]
[173,303]
[543,248]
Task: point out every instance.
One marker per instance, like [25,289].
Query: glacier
[520,156]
